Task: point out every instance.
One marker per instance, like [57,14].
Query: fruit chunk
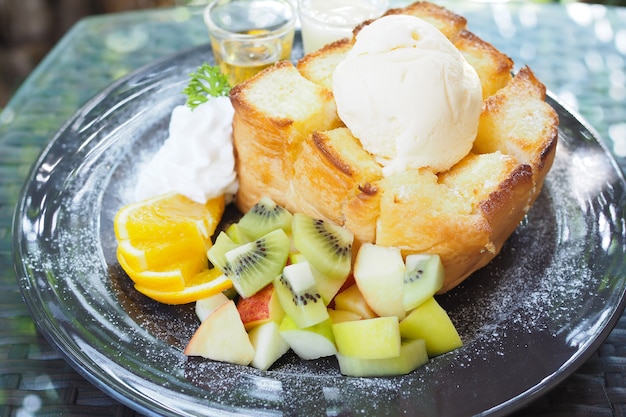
[205,306]
[167,216]
[338,316]
[205,284]
[237,235]
[254,265]
[412,355]
[162,245]
[217,252]
[327,287]
[268,345]
[260,308]
[326,246]
[159,254]
[431,322]
[422,279]
[312,342]
[379,274]
[352,300]
[222,337]
[376,338]
[298,295]
[264,217]
[169,278]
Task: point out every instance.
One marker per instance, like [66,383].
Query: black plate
[528,319]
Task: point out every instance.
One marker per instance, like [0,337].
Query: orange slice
[155,254]
[173,277]
[205,284]
[168,216]
[163,243]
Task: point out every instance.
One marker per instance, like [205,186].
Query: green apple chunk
[268,345]
[422,279]
[298,295]
[312,342]
[431,322]
[412,355]
[379,274]
[352,300]
[376,338]
[222,337]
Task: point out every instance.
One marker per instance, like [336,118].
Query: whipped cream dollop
[197,159]
[408,95]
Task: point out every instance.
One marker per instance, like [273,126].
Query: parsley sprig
[207,81]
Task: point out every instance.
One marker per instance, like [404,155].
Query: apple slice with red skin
[260,308]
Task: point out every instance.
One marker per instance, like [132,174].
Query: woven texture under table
[36,380]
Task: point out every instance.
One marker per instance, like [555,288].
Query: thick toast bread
[291,146]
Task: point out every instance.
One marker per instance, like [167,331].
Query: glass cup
[325,21]
[249,35]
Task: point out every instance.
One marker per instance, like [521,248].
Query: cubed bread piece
[464,214]
[274,111]
[362,211]
[518,122]
[492,66]
[419,215]
[319,66]
[448,22]
[335,165]
[499,188]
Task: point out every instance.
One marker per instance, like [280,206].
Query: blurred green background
[29,28]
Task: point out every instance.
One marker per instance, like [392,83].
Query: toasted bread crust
[291,146]
[493,67]
[266,136]
[318,66]
[448,22]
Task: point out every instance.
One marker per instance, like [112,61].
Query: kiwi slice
[298,295]
[423,277]
[237,235]
[217,252]
[327,246]
[253,265]
[264,217]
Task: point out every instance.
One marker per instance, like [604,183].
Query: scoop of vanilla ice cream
[197,159]
[408,95]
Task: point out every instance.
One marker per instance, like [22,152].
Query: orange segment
[205,284]
[168,216]
[163,243]
[146,255]
[173,277]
